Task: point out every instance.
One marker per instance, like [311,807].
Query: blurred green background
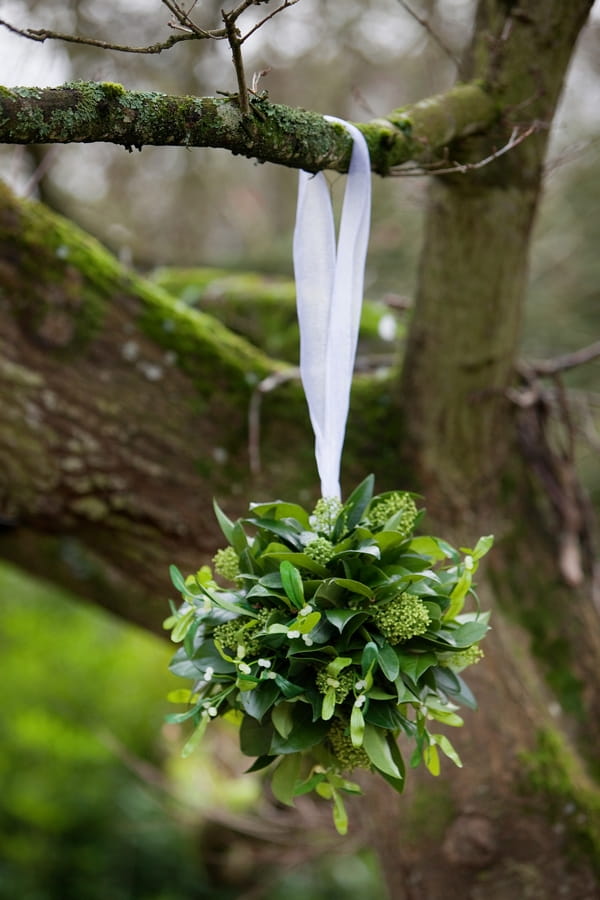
[95,801]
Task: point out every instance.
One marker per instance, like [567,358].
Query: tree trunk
[501,827]
[127,413]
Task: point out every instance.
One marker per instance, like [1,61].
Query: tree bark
[83,112]
[127,413]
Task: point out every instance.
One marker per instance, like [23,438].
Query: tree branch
[85,112]
[45,34]
[567,361]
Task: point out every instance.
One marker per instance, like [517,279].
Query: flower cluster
[342,631]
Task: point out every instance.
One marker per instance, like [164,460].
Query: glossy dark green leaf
[414,664]
[261,763]
[383,714]
[341,617]
[369,656]
[292,583]
[256,702]
[304,735]
[224,521]
[284,778]
[255,739]
[281,529]
[355,587]
[379,753]
[239,541]
[388,662]
[445,680]
[358,501]
[279,509]
[288,689]
[469,633]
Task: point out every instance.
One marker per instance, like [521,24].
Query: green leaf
[379,753]
[301,560]
[287,688]
[414,664]
[431,758]
[280,509]
[328,707]
[225,523]
[388,662]
[183,624]
[257,701]
[283,530]
[261,763]
[336,665]
[341,617]
[305,624]
[483,546]
[384,715]
[181,695]
[292,583]
[355,587]
[255,739]
[398,760]
[358,501]
[446,747]
[457,597]
[304,735]
[281,716]
[340,816]
[284,778]
[429,546]
[357,726]
[178,580]
[369,657]
[239,541]
[197,735]
[469,633]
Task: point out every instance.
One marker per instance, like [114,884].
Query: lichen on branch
[86,112]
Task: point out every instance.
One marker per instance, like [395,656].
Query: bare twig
[235,42]
[258,25]
[432,34]
[566,361]
[517,137]
[44,34]
[265,386]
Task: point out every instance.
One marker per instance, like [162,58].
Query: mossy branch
[86,112]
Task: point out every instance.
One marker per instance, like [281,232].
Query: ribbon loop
[329,292]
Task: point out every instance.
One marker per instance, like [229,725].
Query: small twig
[45,165]
[265,386]
[44,34]
[279,9]
[235,43]
[432,34]
[566,361]
[514,140]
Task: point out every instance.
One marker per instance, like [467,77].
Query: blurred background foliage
[95,801]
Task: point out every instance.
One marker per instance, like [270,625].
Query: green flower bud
[325,514]
[343,683]
[348,756]
[227,563]
[463,658]
[321,550]
[241,632]
[382,510]
[402,618]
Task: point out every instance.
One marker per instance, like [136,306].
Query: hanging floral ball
[344,631]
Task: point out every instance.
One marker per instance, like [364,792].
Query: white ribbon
[329,292]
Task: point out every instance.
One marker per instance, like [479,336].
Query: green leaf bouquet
[341,631]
